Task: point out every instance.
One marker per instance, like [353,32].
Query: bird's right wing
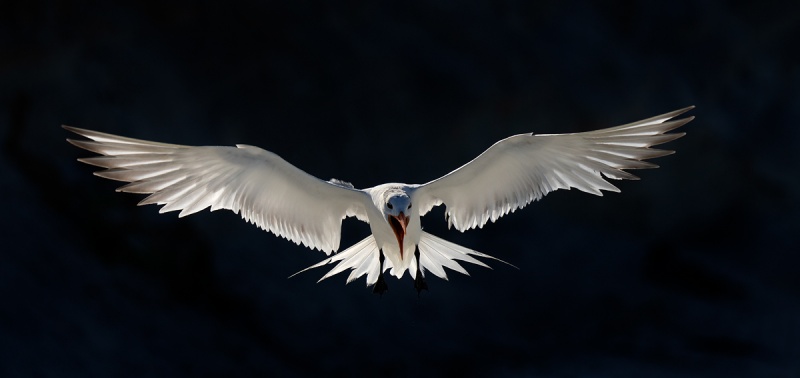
[523,168]
[264,188]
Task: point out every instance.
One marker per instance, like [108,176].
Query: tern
[279,197]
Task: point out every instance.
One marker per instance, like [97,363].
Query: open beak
[399,224]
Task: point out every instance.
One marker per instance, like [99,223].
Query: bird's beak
[399,224]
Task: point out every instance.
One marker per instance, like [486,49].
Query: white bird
[282,199]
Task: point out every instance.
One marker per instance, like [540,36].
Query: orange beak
[399,224]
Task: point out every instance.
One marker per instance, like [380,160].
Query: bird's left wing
[266,189]
[523,168]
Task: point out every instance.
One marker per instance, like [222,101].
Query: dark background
[692,271]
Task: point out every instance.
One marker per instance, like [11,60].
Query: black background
[690,271]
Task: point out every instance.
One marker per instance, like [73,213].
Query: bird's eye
[409,205]
[389,205]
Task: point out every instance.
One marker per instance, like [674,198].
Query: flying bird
[279,197]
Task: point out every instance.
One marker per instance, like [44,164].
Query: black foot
[380,285]
[419,282]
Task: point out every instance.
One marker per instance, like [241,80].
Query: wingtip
[684,110]
[76,143]
[73,129]
[681,122]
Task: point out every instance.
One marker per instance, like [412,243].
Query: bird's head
[396,209]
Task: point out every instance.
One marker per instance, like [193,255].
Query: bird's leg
[419,280]
[380,285]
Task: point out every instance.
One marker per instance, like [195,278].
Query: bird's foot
[419,279]
[419,283]
[380,286]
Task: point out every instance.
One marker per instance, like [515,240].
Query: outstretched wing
[264,188]
[523,168]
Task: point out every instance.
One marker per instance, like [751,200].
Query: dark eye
[409,205]
[389,205]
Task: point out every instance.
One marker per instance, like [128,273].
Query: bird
[278,197]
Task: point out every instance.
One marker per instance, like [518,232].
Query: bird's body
[282,199]
[399,195]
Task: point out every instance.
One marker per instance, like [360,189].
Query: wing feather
[523,168]
[260,185]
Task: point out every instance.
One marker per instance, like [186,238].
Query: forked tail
[435,255]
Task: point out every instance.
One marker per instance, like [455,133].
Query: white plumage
[280,198]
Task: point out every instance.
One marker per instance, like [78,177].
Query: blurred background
[691,271]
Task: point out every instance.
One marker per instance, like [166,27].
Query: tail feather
[369,263]
[353,257]
[349,258]
[435,255]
